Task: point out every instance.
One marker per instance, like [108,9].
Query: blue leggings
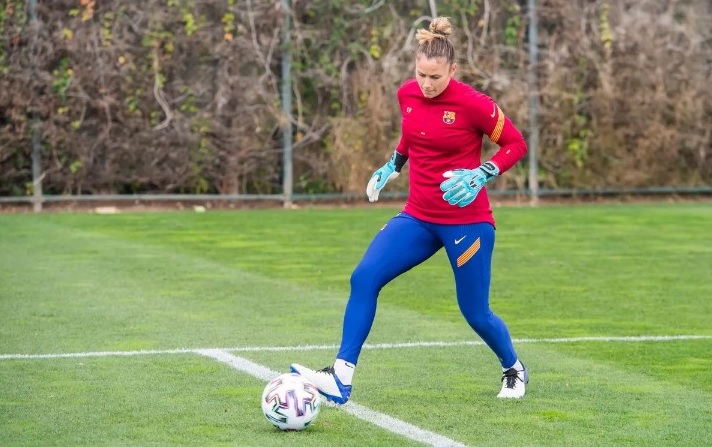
[404,243]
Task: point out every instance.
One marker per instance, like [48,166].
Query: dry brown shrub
[154,106]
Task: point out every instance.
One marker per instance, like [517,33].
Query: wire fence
[285,201]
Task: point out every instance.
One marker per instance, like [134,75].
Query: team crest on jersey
[448,117]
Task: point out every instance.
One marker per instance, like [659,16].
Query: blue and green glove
[463,185]
[385,174]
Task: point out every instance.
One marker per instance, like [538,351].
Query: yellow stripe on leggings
[469,253]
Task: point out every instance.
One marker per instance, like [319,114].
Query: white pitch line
[384,421]
[441,344]
[422,344]
[95,354]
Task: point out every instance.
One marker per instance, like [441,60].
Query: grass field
[162,329]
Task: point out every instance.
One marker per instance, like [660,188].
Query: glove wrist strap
[398,161]
[490,169]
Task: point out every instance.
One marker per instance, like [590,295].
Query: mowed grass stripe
[570,399]
[133,295]
[164,281]
[180,400]
[379,419]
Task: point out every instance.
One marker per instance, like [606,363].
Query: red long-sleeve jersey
[444,133]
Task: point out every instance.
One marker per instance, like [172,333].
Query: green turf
[73,283]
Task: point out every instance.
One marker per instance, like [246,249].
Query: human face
[433,75]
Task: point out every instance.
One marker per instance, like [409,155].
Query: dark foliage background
[183,96]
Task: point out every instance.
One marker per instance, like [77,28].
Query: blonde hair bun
[441,26]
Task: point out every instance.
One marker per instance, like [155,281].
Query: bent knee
[366,278]
[481,322]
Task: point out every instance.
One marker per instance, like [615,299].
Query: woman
[443,123]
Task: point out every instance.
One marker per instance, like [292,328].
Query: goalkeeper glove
[385,174]
[463,185]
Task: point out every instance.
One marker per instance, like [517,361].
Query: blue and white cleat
[325,381]
[514,383]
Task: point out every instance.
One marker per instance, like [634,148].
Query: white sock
[517,365]
[344,371]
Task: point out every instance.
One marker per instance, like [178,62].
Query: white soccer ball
[290,402]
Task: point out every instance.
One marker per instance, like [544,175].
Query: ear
[453,68]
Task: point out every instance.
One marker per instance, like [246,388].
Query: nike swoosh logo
[494,111]
[457,241]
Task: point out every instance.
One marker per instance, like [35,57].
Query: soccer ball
[290,402]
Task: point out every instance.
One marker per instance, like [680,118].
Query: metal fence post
[287,141]
[37,197]
[533,104]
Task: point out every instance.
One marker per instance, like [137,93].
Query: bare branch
[158,93]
